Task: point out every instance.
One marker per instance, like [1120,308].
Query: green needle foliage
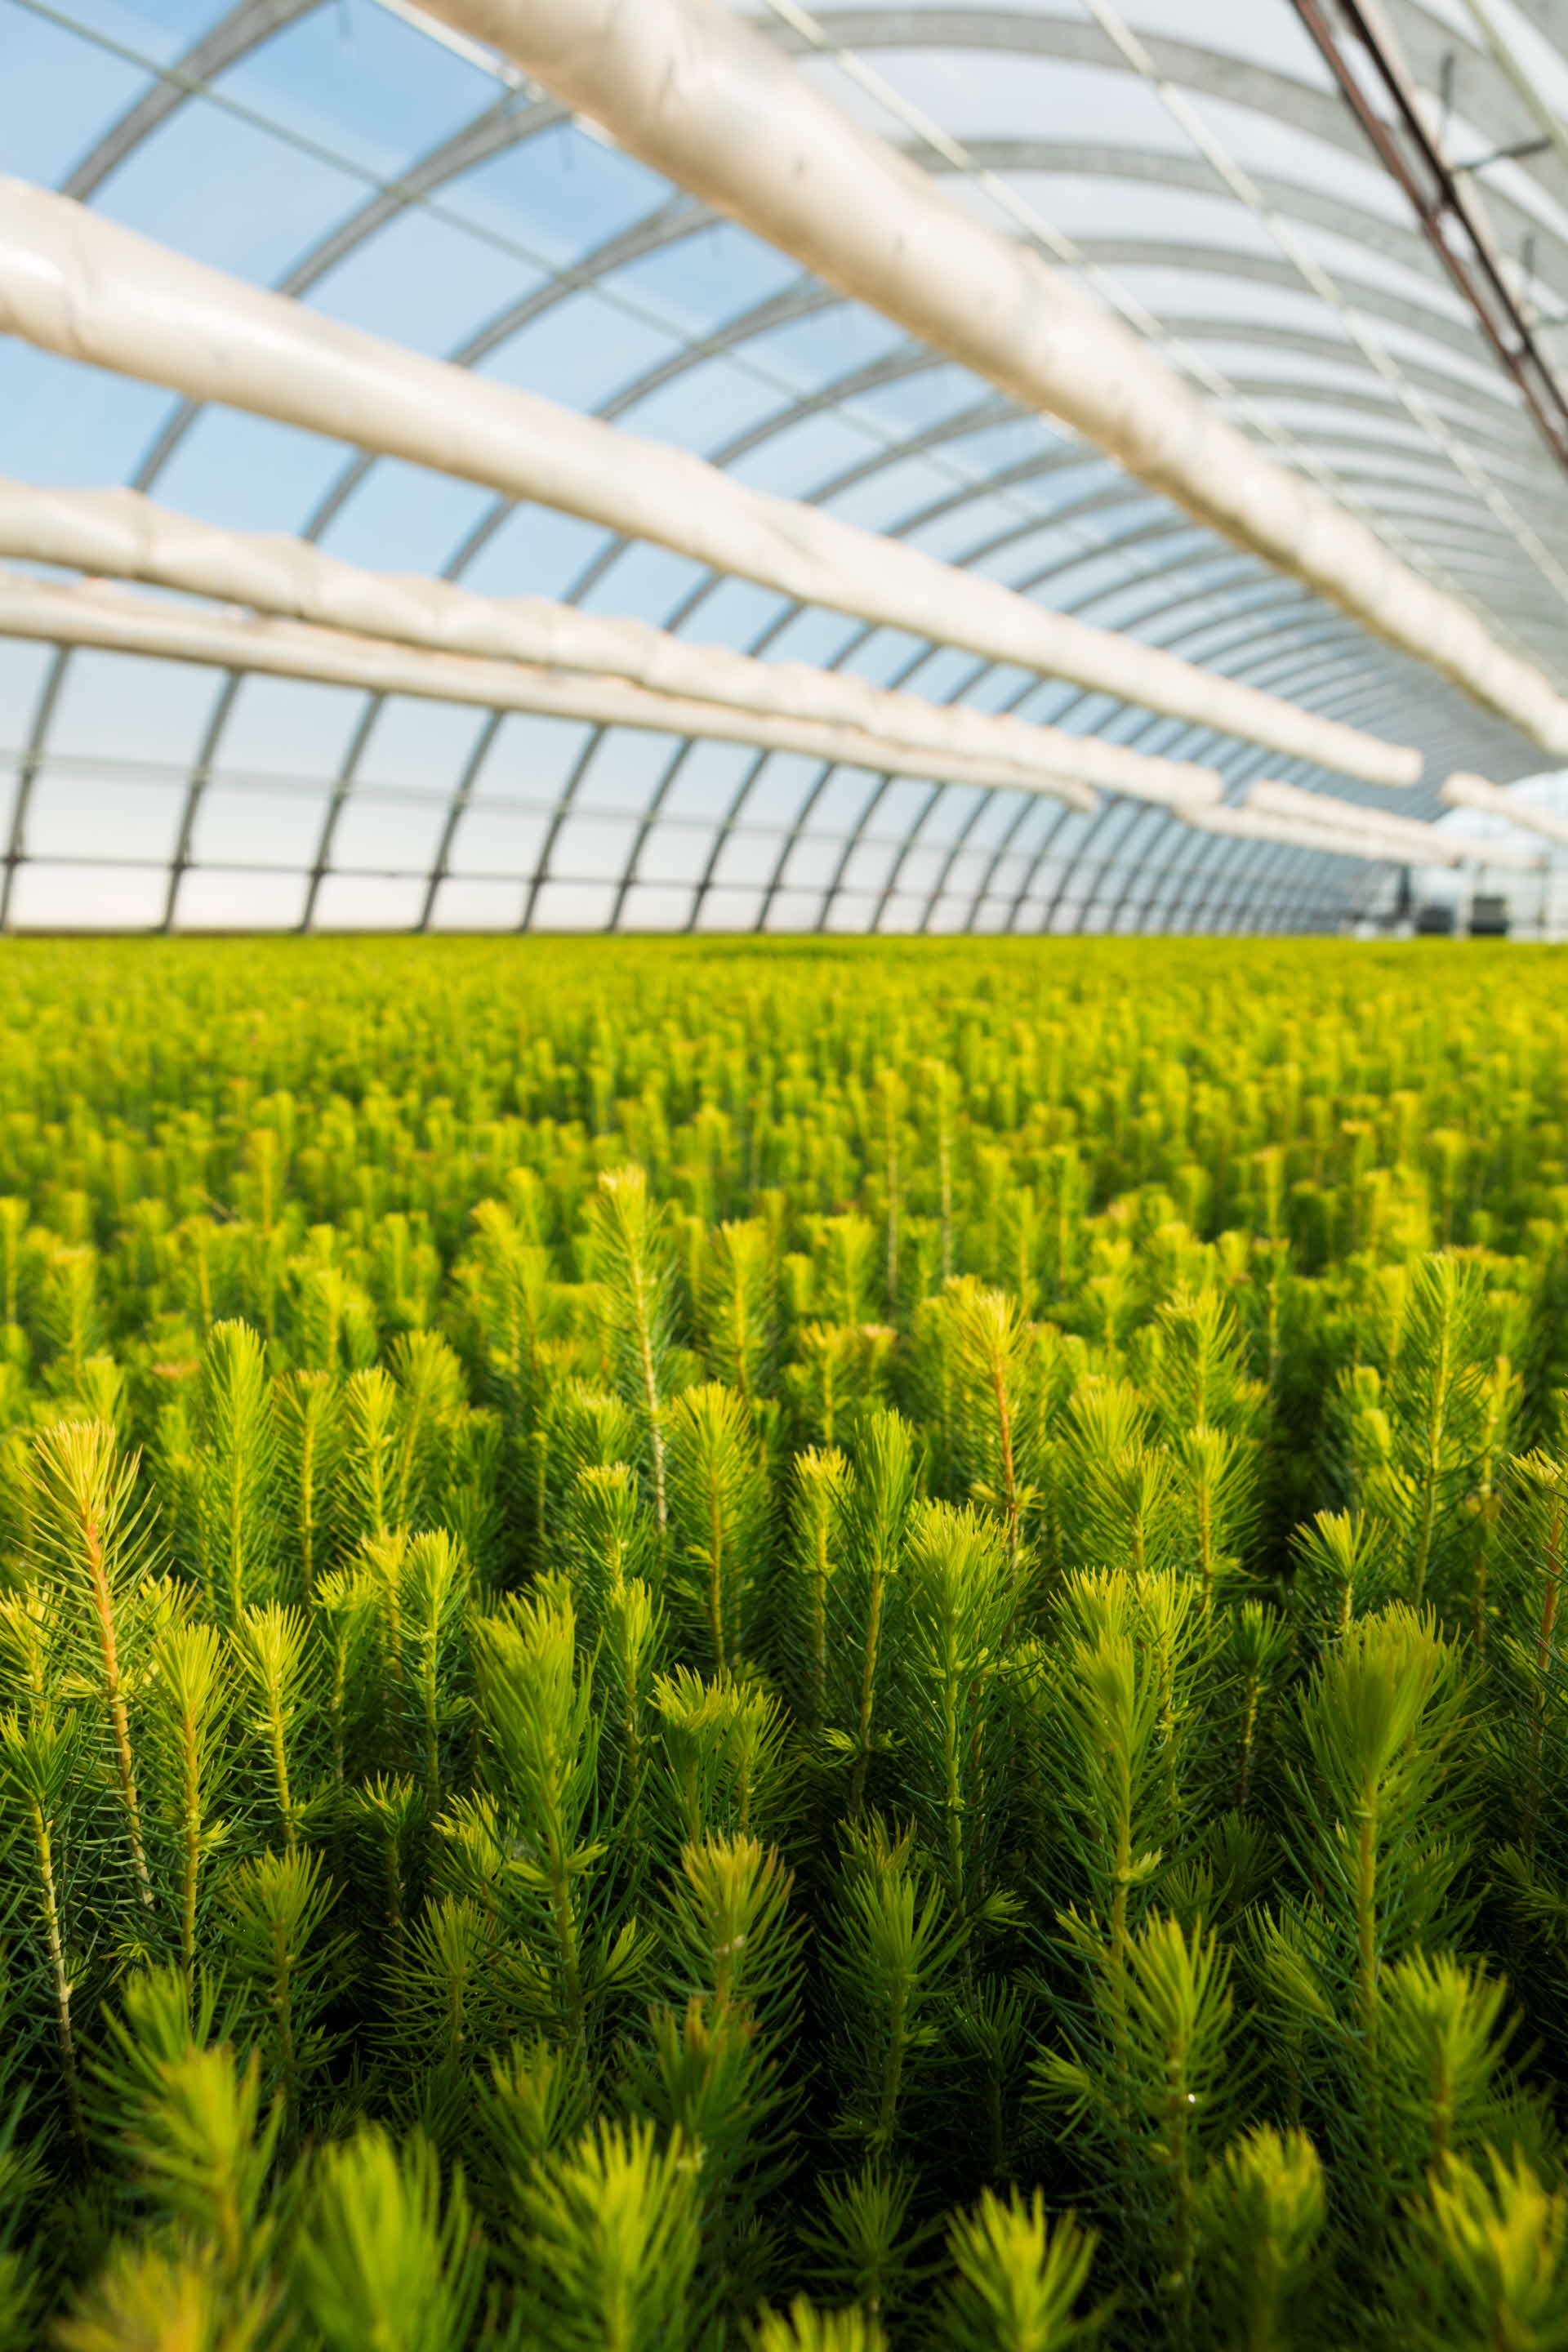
[612,2230]
[891,1950]
[696,1641]
[1262,2218]
[380,2256]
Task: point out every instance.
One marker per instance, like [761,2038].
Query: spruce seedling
[801,2328]
[40,1766]
[92,1547]
[1263,2208]
[382,2258]
[630,1258]
[717,1505]
[1019,2279]
[614,2228]
[237,1487]
[891,1950]
[188,1703]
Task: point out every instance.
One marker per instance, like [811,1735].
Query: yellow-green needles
[747,1646]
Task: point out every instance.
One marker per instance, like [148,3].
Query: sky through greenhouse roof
[343,153]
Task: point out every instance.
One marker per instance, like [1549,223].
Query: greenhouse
[806,1595]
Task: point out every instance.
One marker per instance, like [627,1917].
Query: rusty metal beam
[1448,216]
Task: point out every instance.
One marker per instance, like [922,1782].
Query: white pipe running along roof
[705,99]
[1325,808]
[1346,841]
[85,614]
[1408,844]
[76,283]
[1465,791]
[1251,824]
[121,534]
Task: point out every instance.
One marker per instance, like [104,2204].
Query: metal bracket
[1514,154]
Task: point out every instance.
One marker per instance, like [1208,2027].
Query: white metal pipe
[1326,808]
[1462,790]
[1437,848]
[78,284]
[1252,825]
[120,534]
[704,99]
[117,621]
[87,613]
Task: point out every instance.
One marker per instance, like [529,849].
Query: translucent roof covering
[1192,158]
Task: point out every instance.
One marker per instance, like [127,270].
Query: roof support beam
[1393,832]
[112,620]
[122,535]
[1423,846]
[1462,791]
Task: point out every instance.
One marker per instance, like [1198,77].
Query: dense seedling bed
[798,1647]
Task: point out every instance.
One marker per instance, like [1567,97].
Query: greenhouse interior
[784,1175]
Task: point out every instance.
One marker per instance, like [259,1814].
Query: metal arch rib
[1253,760]
[647,237]
[1405,496]
[1164,519]
[580,587]
[1432,320]
[1094,874]
[984,887]
[500,126]
[723,831]
[796,832]
[212,735]
[1352,580]
[363,728]
[497,127]
[1136,868]
[983,802]
[558,816]
[901,452]
[28,776]
[863,468]
[468,776]
[650,814]
[243,29]
[1245,757]
[650,235]
[906,848]
[596,268]
[1068,454]
[628,245]
[1323,207]
[1084,857]
[1265,91]
[1512,344]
